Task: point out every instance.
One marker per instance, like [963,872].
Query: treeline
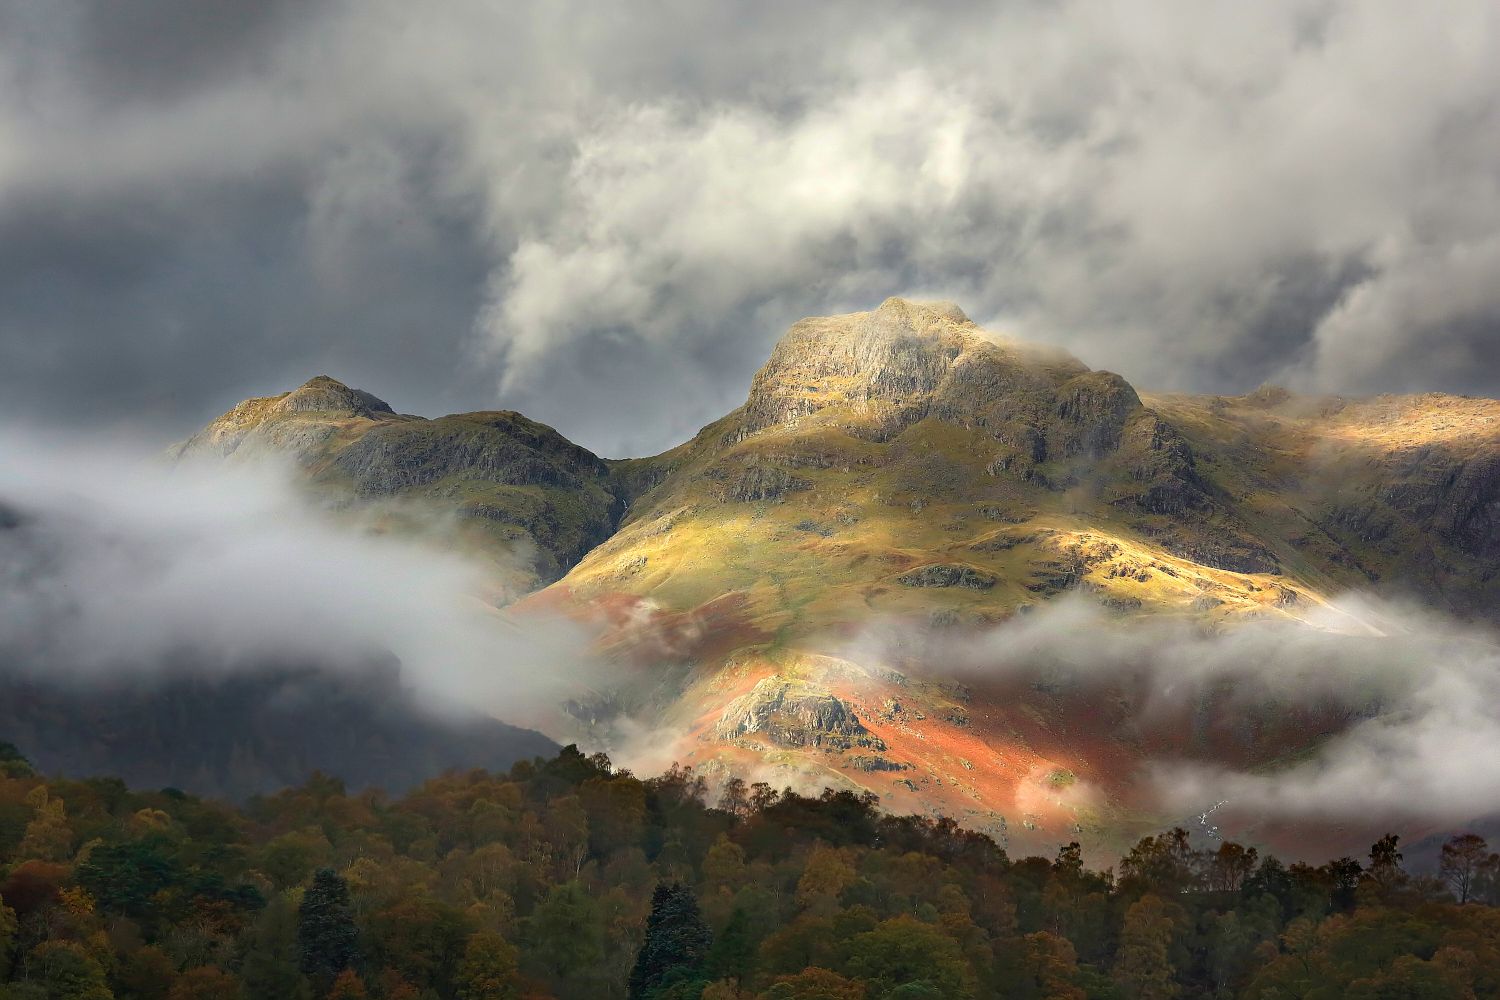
[566,878]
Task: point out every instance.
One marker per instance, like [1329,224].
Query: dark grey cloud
[604,214]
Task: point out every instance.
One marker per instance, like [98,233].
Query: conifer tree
[677,941]
[326,935]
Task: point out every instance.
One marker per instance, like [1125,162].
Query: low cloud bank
[1418,695]
[113,563]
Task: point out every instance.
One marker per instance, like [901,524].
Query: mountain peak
[878,371]
[292,422]
[322,393]
[942,309]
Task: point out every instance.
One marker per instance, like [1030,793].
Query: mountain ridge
[902,465]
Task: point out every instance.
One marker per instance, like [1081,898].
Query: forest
[569,878]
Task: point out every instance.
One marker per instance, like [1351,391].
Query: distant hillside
[246,732]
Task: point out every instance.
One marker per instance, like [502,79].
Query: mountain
[522,492]
[905,468]
[904,472]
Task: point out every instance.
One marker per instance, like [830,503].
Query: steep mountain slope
[884,456]
[905,471]
[523,493]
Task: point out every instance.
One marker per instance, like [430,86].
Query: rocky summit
[903,467]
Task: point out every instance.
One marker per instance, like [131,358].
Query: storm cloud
[603,215]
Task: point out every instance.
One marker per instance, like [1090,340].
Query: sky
[603,215]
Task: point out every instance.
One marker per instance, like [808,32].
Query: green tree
[48,836]
[677,941]
[489,970]
[127,877]
[420,937]
[13,764]
[70,972]
[1142,965]
[327,939]
[616,808]
[566,932]
[824,877]
[815,984]
[733,951]
[904,953]
[1051,966]
[272,969]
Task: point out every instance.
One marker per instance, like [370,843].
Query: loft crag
[905,465]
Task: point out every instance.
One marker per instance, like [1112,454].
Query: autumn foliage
[566,878]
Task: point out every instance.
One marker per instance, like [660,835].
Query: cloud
[1410,698]
[533,204]
[118,565]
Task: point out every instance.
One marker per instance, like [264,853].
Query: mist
[115,563]
[1418,695]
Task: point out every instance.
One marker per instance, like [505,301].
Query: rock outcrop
[948,575]
[1046,417]
[794,713]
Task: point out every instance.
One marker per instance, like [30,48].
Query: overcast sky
[603,214]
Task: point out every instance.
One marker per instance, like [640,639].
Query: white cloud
[123,564]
